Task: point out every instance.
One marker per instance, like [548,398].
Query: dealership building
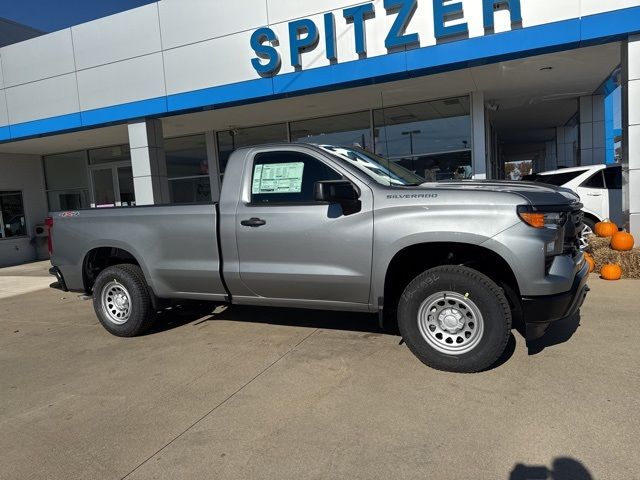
[146,106]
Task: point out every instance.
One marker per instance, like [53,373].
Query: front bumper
[540,312]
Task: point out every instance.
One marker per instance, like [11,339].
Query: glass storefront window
[186,156]
[111,177]
[350,130]
[60,200]
[12,219]
[66,171]
[190,190]
[118,153]
[188,169]
[423,128]
[125,185]
[67,181]
[433,139]
[442,166]
[230,140]
[103,189]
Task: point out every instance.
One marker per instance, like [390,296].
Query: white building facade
[145,107]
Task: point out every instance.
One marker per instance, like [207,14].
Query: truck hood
[535,193]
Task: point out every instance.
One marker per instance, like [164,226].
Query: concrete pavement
[291,394]
[24,278]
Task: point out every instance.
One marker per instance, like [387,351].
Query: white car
[599,188]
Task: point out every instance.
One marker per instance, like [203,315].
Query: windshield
[380,169]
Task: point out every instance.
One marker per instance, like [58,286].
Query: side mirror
[342,192]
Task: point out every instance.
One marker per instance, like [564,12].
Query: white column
[631,120]
[479,151]
[148,162]
[592,130]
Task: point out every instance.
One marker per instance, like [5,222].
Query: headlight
[552,220]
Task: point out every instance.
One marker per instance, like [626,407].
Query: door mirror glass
[342,192]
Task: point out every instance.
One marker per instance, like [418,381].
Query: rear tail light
[48,222]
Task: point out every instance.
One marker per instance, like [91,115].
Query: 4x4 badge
[69,214]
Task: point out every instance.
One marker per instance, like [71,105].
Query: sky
[52,15]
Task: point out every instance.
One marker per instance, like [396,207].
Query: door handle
[594,194]
[253,222]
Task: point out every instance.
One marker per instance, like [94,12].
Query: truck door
[292,247]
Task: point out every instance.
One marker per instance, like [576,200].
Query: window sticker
[277,178]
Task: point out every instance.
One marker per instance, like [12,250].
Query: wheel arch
[411,260]
[592,216]
[101,256]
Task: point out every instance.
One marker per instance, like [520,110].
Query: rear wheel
[121,301]
[455,319]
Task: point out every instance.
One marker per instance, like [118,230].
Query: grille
[572,230]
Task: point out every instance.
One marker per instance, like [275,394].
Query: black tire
[141,314]
[472,288]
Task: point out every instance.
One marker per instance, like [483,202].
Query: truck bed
[176,246]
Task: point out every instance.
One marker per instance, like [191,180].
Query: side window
[558,179]
[287,177]
[613,178]
[595,181]
[12,219]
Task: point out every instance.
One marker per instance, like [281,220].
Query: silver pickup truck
[457,264]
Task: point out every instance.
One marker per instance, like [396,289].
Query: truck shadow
[558,332]
[199,313]
[506,355]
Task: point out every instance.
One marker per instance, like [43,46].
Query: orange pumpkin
[606,228]
[622,241]
[592,263]
[611,272]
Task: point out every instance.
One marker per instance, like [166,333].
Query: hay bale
[603,254]
[597,243]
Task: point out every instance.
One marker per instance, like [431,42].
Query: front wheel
[454,318]
[121,301]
